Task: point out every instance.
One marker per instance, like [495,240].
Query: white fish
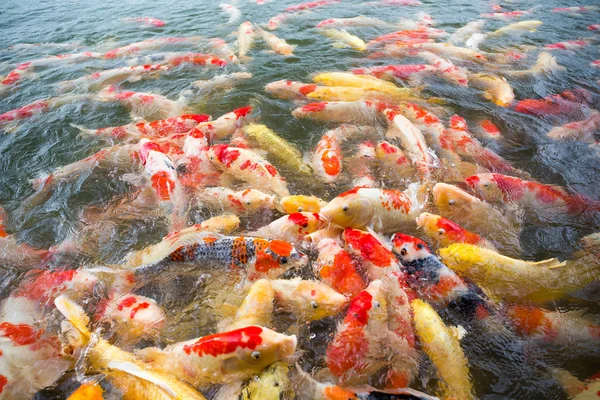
[345,39]
[276,44]
[246,35]
[461,35]
[233,12]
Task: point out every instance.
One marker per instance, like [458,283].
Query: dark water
[46,142]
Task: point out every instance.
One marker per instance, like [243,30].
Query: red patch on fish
[314,107]
[126,303]
[3,382]
[141,306]
[281,248]
[456,233]
[242,112]
[342,274]
[225,154]
[369,247]
[306,89]
[19,334]
[397,200]
[162,184]
[271,169]
[46,284]
[358,311]
[489,128]
[226,342]
[298,219]
[347,351]
[331,163]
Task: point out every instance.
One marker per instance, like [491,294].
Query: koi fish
[506,15]
[408,72]
[14,77]
[222,357]
[375,258]
[87,391]
[39,107]
[308,300]
[583,130]
[516,280]
[300,203]
[458,138]
[276,44]
[148,21]
[242,202]
[343,38]
[20,255]
[502,188]
[545,64]
[293,227]
[445,232]
[327,158]
[360,112]
[427,275]
[277,148]
[24,349]
[256,308]
[361,20]
[309,5]
[133,317]
[441,49]
[231,10]
[225,125]
[124,370]
[272,384]
[487,129]
[411,139]
[248,166]
[159,167]
[245,41]
[393,162]
[566,328]
[495,88]
[290,90]
[442,345]
[568,45]
[173,60]
[383,210]
[576,9]
[151,44]
[199,90]
[338,269]
[595,27]
[522,26]
[257,256]
[358,81]
[148,106]
[565,103]
[280,19]
[446,69]
[462,34]
[220,47]
[161,128]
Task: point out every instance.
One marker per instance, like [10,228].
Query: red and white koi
[495,188]
[220,47]
[39,107]
[148,21]
[149,106]
[65,58]
[381,209]
[112,77]
[569,102]
[133,317]
[409,72]
[173,60]
[583,130]
[595,27]
[222,357]
[458,139]
[399,2]
[356,21]
[15,76]
[151,44]
[360,112]
[276,44]
[446,68]
[393,162]
[245,41]
[445,232]
[327,158]
[375,258]
[568,45]
[337,268]
[595,63]
[159,167]
[576,9]
[201,90]
[409,36]
[286,89]
[293,227]
[155,129]
[241,202]
[225,125]
[506,15]
[487,129]
[411,139]
[248,166]
[310,5]
[280,19]
[231,10]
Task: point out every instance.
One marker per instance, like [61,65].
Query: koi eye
[441,232]
[451,202]
[248,203]
[283,260]
[376,304]
[255,355]
[420,246]
[305,225]
[345,208]
[403,252]
[486,185]
[314,304]
[300,209]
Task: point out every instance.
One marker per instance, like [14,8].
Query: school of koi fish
[211,256]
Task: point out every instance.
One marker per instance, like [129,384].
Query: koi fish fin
[383,240]
[74,313]
[132,369]
[152,355]
[549,263]
[136,180]
[458,331]
[229,391]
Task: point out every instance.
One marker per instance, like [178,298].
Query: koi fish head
[293,204]
[253,200]
[368,307]
[247,350]
[349,209]
[303,223]
[277,254]
[485,186]
[448,197]
[318,300]
[409,248]
[146,146]
[445,231]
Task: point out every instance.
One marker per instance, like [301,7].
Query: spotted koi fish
[223,357]
[161,128]
[327,158]
[569,102]
[159,167]
[148,21]
[409,72]
[360,112]
[376,259]
[39,107]
[151,44]
[381,209]
[249,166]
[338,269]
[225,125]
[293,227]
[15,76]
[286,89]
[148,106]
[310,5]
[241,202]
[393,162]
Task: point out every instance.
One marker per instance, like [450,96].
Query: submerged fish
[444,231]
[272,384]
[345,39]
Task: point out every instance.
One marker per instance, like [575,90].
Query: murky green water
[44,143]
